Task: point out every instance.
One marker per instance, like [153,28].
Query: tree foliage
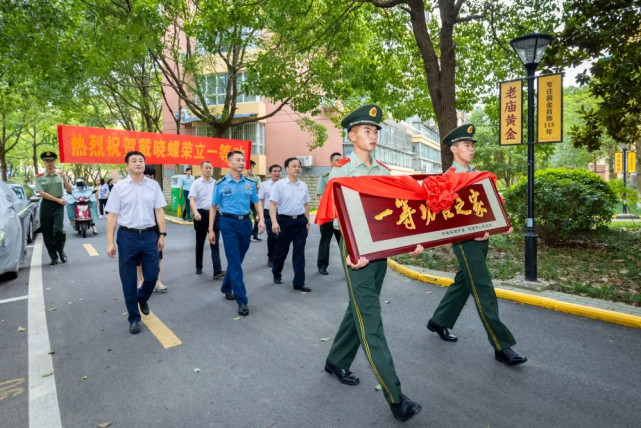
[607,33]
[461,49]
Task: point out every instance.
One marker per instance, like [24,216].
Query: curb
[177,220]
[529,299]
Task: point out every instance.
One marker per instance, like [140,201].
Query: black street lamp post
[530,49]
[624,149]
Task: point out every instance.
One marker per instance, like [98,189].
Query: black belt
[293,217]
[139,231]
[235,216]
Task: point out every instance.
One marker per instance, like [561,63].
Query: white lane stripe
[43,397]
[13,299]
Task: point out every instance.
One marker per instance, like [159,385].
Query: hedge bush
[568,204]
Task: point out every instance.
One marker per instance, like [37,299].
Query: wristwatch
[162,233]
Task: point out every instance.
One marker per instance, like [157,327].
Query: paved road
[267,369]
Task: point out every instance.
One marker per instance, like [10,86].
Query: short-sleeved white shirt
[202,190]
[265,192]
[135,203]
[289,197]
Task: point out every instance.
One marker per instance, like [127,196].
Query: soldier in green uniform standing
[326,229]
[362,324]
[51,186]
[473,276]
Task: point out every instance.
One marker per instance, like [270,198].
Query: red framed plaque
[376,227]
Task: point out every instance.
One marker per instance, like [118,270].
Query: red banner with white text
[79,144]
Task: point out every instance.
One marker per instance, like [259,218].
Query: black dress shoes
[443,332]
[63,256]
[323,271]
[405,409]
[303,288]
[144,308]
[134,327]
[270,262]
[229,295]
[344,376]
[509,357]
[278,279]
[54,262]
[199,271]
[243,309]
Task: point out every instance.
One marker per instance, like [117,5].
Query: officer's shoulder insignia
[452,169]
[221,179]
[342,162]
[383,165]
[325,174]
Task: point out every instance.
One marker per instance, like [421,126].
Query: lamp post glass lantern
[530,49]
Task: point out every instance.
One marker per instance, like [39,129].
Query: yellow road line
[91,250]
[165,336]
[606,315]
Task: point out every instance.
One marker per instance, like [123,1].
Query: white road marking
[44,410]
[13,299]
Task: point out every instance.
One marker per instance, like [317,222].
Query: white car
[13,242]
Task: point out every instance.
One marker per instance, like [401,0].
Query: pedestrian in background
[51,186]
[103,195]
[185,187]
[264,195]
[362,324]
[327,230]
[200,198]
[256,179]
[289,213]
[136,206]
[473,276]
[232,197]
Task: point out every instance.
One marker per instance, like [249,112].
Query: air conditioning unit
[305,161]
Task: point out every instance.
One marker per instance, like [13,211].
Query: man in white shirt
[132,204]
[264,194]
[200,201]
[290,198]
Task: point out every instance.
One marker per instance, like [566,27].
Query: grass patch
[604,264]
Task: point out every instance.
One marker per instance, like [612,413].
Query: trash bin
[176,199]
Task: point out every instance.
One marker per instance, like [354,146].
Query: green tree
[608,33]
[463,50]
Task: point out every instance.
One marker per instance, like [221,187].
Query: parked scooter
[79,203]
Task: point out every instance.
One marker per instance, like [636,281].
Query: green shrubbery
[630,194]
[568,203]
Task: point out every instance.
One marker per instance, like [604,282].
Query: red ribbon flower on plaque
[438,191]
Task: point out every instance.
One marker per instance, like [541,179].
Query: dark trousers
[254,213]
[187,212]
[236,236]
[291,230]
[52,226]
[201,227]
[362,325]
[271,236]
[473,277]
[327,231]
[102,203]
[134,247]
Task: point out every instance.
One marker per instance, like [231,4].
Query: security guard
[473,276]
[362,324]
[234,193]
[51,186]
[326,229]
